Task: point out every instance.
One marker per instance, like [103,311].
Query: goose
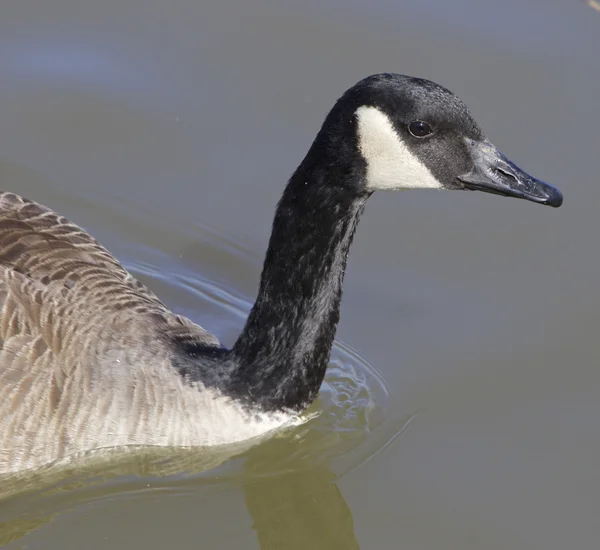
[90,358]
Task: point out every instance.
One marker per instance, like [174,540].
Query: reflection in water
[298,508]
[12,531]
[288,482]
[293,501]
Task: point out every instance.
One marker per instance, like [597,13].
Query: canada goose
[91,358]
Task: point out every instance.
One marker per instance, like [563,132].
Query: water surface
[461,409]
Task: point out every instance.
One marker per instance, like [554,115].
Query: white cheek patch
[390,164]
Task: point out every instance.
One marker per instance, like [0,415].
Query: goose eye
[419,129]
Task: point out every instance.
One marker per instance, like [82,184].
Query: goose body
[91,358]
[84,361]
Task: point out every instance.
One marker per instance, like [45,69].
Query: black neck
[280,358]
[282,353]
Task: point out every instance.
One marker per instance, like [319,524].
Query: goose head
[413,133]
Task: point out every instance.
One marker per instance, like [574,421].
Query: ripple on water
[350,421]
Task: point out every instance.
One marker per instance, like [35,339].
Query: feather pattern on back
[84,361]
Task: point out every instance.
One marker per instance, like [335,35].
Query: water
[462,404]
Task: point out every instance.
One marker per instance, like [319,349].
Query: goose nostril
[504,175]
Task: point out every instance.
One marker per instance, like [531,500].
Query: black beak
[492,172]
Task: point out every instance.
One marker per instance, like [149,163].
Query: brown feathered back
[74,326]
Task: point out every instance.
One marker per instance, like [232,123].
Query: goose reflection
[292,498]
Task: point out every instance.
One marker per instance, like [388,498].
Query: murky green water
[461,409]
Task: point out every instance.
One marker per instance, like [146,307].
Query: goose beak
[492,172]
